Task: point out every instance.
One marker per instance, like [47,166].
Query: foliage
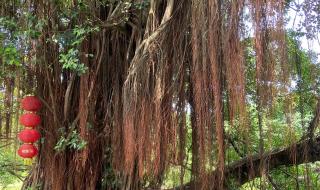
[71,61]
[11,167]
[10,54]
[73,142]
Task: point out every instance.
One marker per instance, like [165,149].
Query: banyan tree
[135,90]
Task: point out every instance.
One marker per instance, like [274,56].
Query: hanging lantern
[27,151]
[31,103]
[30,120]
[29,135]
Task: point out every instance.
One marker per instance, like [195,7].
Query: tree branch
[249,168]
[315,122]
[307,150]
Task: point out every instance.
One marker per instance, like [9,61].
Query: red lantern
[27,151]
[29,135]
[31,103]
[30,120]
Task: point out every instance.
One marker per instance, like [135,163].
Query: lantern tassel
[28,161]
